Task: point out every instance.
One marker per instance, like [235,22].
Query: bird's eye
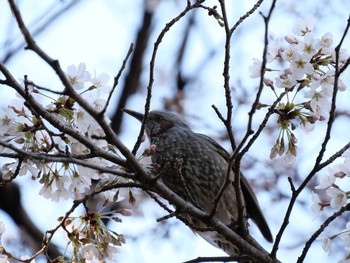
[158,118]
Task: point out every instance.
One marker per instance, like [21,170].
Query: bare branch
[214,259]
[63,127]
[116,79]
[79,160]
[246,15]
[320,230]
[260,89]
[318,160]
[160,37]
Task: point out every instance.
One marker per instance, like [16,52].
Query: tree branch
[320,230]
[160,37]
[317,165]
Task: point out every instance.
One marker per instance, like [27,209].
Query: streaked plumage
[197,169]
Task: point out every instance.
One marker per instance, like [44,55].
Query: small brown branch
[28,82]
[320,230]
[41,24]
[343,68]
[160,203]
[262,125]
[214,259]
[292,187]
[48,158]
[160,37]
[226,73]
[229,106]
[166,217]
[334,156]
[260,89]
[132,77]
[246,15]
[50,233]
[116,79]
[218,113]
[222,189]
[161,172]
[51,118]
[317,165]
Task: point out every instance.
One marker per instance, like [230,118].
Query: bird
[194,166]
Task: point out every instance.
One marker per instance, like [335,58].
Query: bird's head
[158,121]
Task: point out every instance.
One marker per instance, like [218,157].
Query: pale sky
[99,33]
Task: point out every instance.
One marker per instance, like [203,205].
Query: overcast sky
[99,33]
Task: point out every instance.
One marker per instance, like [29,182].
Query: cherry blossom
[345,236]
[300,66]
[91,253]
[274,51]
[303,27]
[77,76]
[309,46]
[317,206]
[255,69]
[338,197]
[83,120]
[308,73]
[7,121]
[326,242]
[290,53]
[100,81]
[326,179]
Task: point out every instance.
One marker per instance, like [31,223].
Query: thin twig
[317,165]
[166,217]
[214,259]
[79,160]
[334,156]
[226,73]
[246,15]
[48,16]
[56,122]
[320,230]
[116,79]
[160,37]
[261,86]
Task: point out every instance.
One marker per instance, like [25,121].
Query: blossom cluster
[331,193]
[25,136]
[91,239]
[28,132]
[309,65]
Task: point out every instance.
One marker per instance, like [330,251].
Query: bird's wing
[254,210]
[253,207]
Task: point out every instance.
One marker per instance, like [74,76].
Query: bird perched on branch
[194,166]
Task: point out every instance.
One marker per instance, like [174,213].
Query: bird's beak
[135,114]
